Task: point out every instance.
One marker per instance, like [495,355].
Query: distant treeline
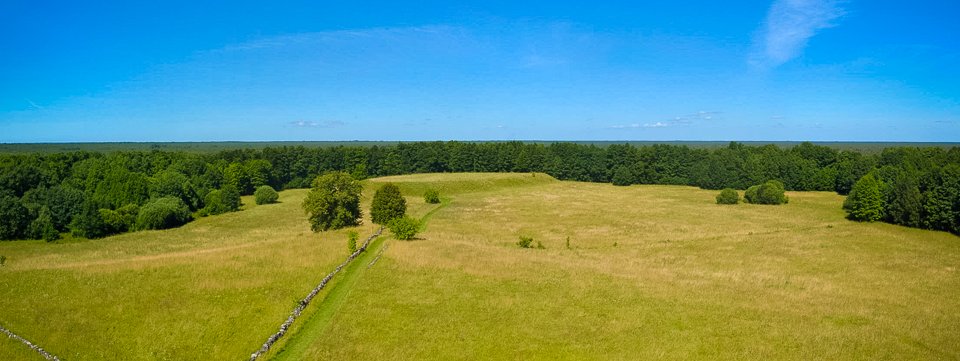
[69,190]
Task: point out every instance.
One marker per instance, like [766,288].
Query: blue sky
[497,70]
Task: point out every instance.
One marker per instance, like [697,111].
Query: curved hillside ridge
[448,183]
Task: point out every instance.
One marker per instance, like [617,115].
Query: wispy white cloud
[788,27]
[34,105]
[686,119]
[314,124]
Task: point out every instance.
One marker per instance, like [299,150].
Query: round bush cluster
[431,196]
[728,196]
[265,195]
[770,192]
[404,228]
[162,213]
[222,200]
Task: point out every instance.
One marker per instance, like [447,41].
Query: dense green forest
[94,194]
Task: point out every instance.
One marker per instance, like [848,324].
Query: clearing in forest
[648,272]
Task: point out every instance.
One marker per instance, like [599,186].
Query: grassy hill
[212,289]
[650,272]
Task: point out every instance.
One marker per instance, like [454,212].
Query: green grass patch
[688,279]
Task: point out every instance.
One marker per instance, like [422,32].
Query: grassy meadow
[652,272]
[649,272]
[215,288]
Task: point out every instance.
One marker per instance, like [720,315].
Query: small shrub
[404,228]
[525,242]
[568,242]
[265,195]
[431,196]
[540,245]
[163,213]
[352,241]
[3,260]
[750,195]
[728,196]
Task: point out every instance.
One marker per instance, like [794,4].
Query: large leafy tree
[333,202]
[941,203]
[171,183]
[904,199]
[222,200]
[62,201]
[13,218]
[89,222]
[865,201]
[388,204]
[42,227]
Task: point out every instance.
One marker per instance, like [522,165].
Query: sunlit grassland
[215,288]
[652,272]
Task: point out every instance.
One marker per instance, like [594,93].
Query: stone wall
[29,344]
[306,300]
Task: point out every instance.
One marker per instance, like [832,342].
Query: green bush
[3,260]
[771,192]
[750,195]
[525,242]
[404,228]
[222,200]
[352,241]
[14,218]
[728,196]
[121,220]
[265,195]
[431,196]
[163,213]
[388,204]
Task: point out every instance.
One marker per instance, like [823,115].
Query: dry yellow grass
[652,272]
